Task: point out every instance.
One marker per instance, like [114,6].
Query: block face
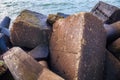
[40,52]
[33,18]
[106,12]
[24,67]
[79,41]
[21,65]
[115,48]
[64,38]
[93,51]
[112,67]
[64,64]
[29,30]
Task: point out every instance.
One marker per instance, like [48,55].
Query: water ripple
[13,7]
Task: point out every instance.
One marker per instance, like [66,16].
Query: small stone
[30,30]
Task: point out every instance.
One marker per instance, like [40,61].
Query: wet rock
[106,12]
[30,29]
[112,67]
[40,52]
[24,67]
[5,22]
[115,48]
[113,31]
[77,47]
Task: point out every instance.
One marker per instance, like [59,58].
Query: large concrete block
[24,67]
[106,12]
[77,47]
[30,29]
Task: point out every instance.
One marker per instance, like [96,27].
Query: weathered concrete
[24,67]
[106,12]
[77,47]
[30,29]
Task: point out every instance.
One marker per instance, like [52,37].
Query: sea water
[12,8]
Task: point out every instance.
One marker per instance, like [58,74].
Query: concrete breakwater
[81,46]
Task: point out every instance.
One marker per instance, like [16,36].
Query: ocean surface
[12,8]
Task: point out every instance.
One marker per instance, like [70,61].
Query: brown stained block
[113,31]
[40,52]
[112,67]
[77,47]
[24,67]
[30,29]
[115,48]
[106,12]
